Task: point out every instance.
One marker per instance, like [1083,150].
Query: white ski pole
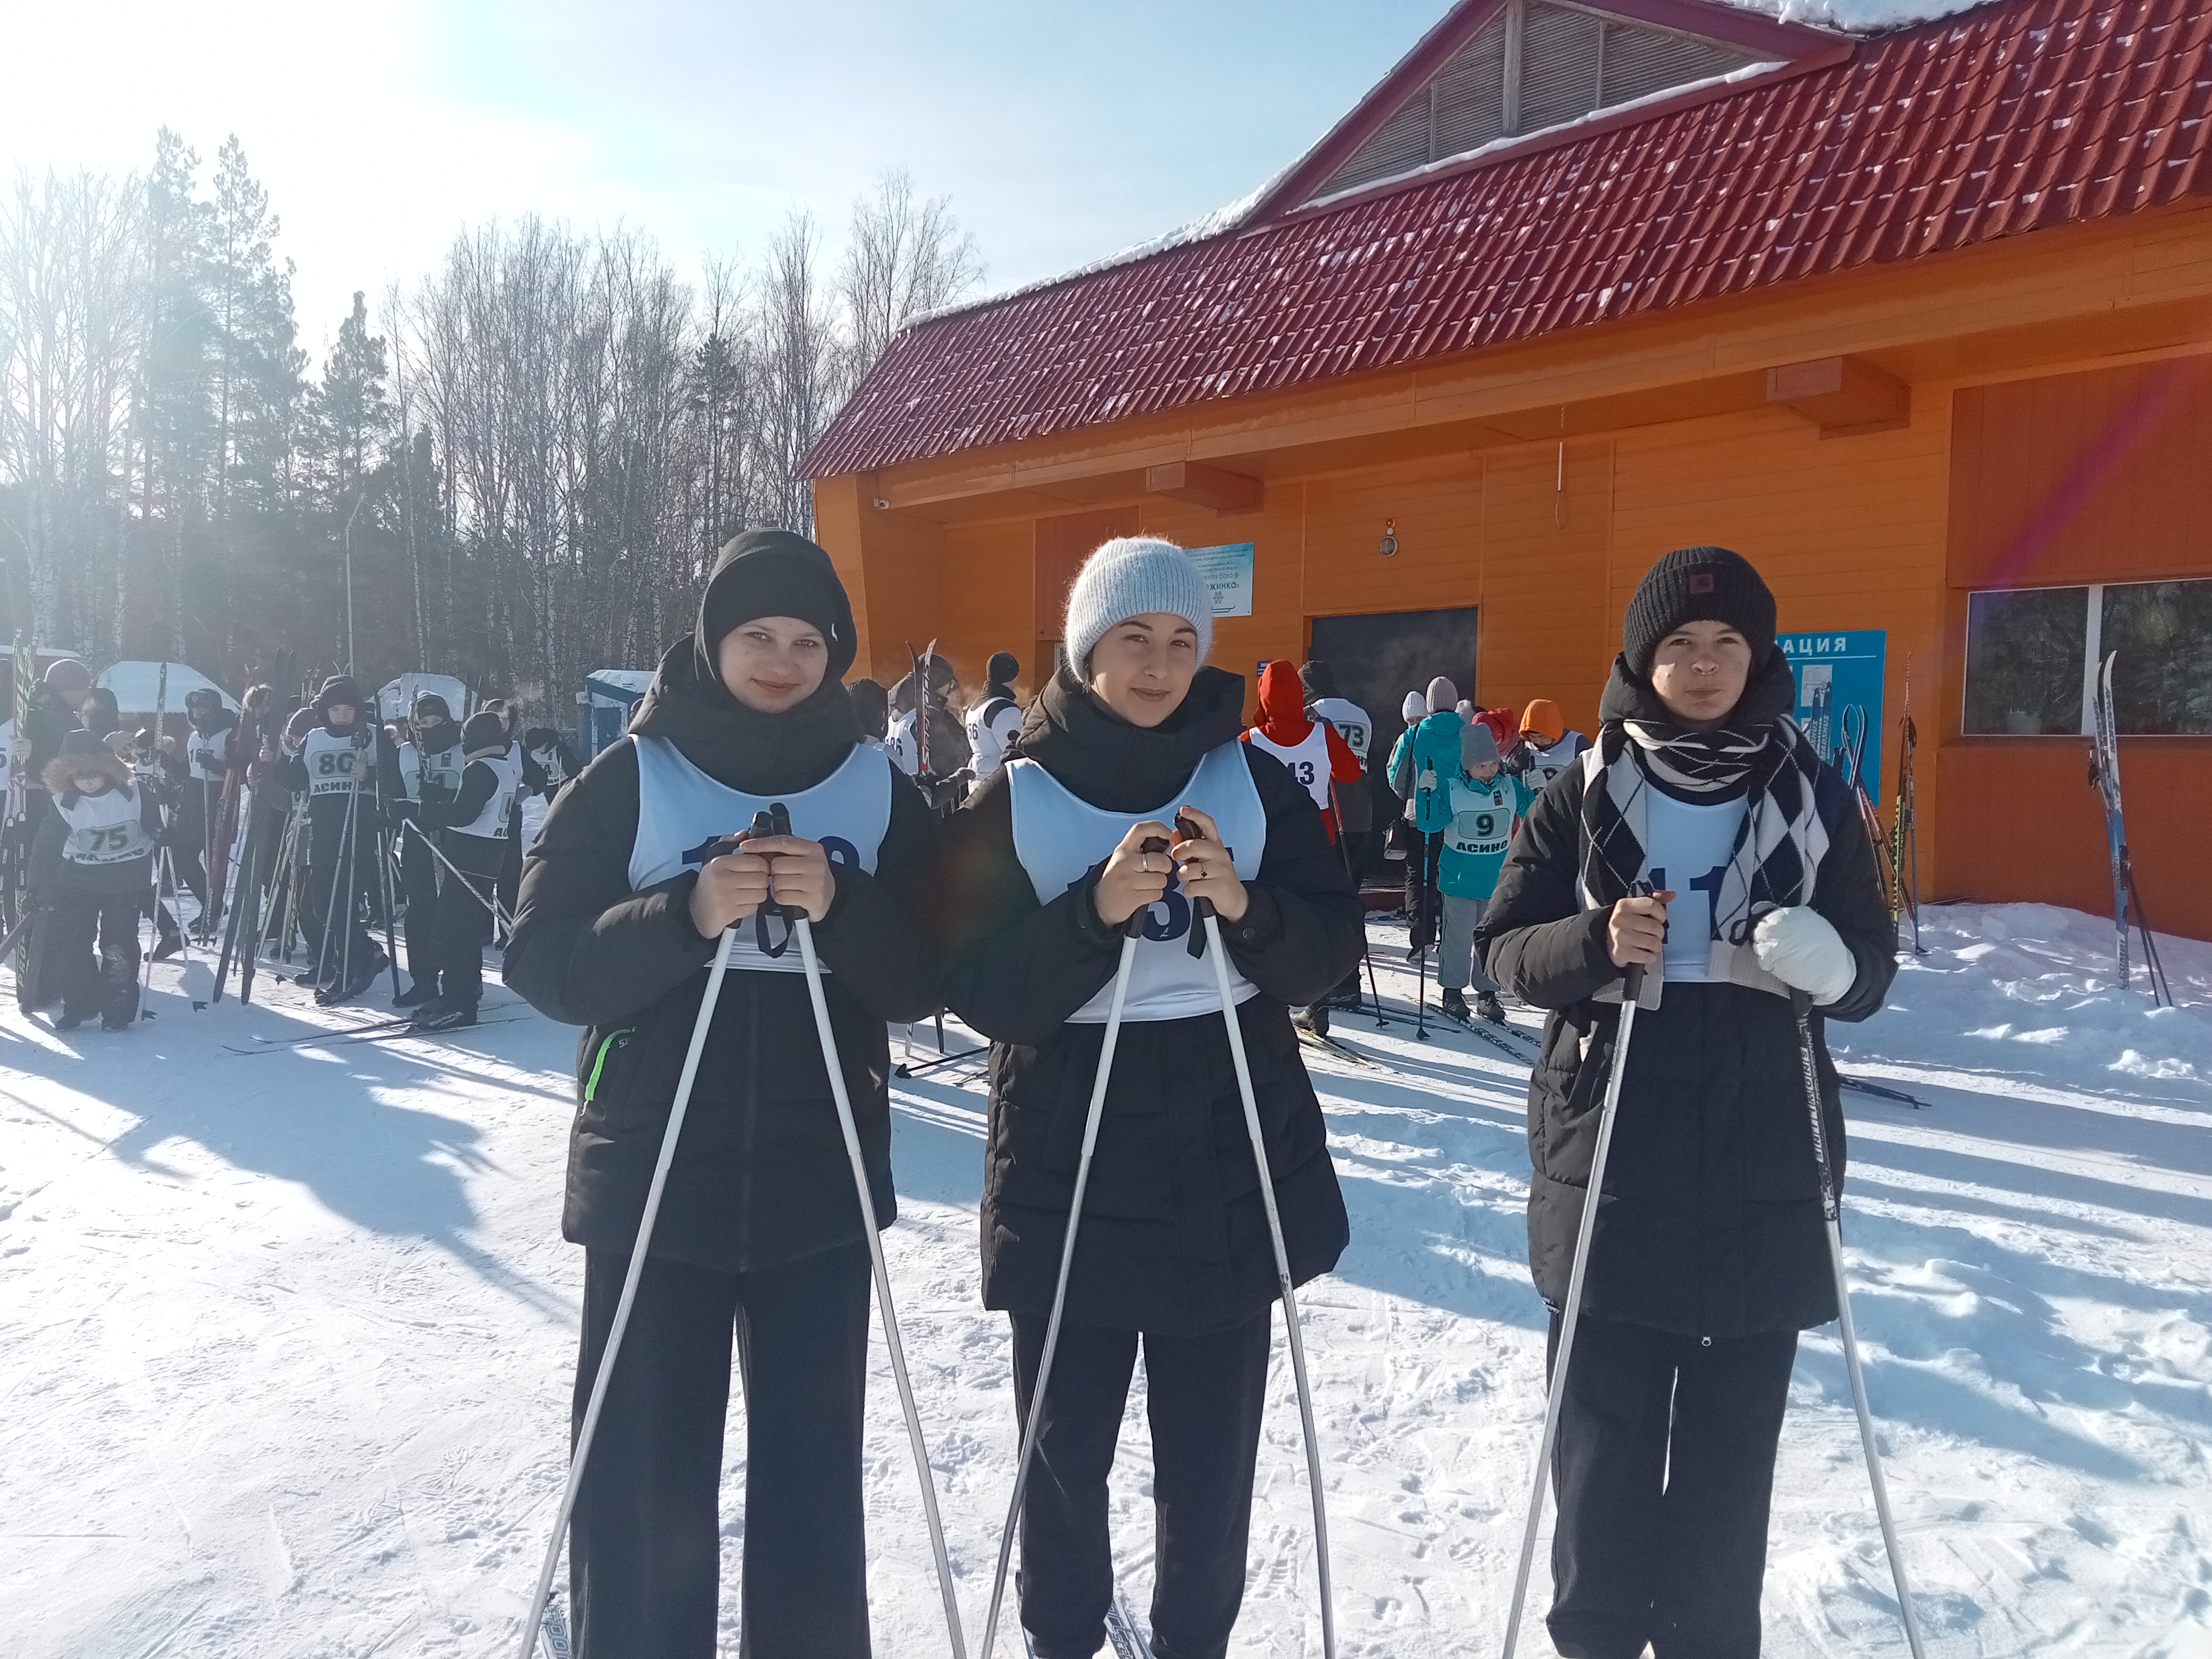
[804,930]
[1067,1259]
[1631,987]
[1831,1211]
[605,1372]
[1243,1065]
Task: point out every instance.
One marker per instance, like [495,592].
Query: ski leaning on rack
[1904,828]
[2104,772]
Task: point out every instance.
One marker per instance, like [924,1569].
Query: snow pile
[1859,16]
[286,1336]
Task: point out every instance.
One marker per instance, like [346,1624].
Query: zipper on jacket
[599,1060]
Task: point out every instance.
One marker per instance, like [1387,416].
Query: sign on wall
[1228,573]
[1839,678]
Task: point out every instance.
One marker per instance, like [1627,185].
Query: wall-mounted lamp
[881,505]
[1390,538]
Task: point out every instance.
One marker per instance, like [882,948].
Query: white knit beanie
[1130,576]
[1415,706]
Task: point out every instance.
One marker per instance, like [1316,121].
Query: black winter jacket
[761,1175]
[1174,1237]
[1711,1223]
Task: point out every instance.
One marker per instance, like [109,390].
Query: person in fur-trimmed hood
[91,874]
[628,887]
[1711,1251]
[1045,868]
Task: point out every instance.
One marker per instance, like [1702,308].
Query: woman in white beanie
[1045,869]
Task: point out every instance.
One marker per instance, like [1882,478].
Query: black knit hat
[430,707]
[1003,669]
[83,745]
[773,572]
[484,730]
[1698,584]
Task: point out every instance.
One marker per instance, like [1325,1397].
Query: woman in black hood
[626,891]
[1045,868]
[1710,1252]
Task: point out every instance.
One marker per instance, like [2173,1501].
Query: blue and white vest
[1058,837]
[330,761]
[104,829]
[491,823]
[682,813]
[208,753]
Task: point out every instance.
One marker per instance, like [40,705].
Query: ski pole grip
[1135,928]
[1186,828]
[1632,982]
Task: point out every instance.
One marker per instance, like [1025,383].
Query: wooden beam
[1205,486]
[1843,396]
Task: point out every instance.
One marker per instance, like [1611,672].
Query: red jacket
[1283,721]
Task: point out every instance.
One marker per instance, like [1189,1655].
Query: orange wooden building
[1920,321]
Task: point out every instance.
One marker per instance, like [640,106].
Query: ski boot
[423,988]
[69,1019]
[1454,1008]
[1487,1006]
[1314,1018]
[363,976]
[120,1006]
[440,1015]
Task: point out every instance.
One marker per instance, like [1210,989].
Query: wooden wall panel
[2095,477]
[1995,851]
[1547,527]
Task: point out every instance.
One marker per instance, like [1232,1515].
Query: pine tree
[350,421]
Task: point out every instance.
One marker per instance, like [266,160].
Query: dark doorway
[1377,658]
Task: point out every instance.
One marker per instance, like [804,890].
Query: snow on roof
[1856,16]
[137,686]
[634,682]
[396,697]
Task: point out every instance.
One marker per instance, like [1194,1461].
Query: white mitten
[1801,948]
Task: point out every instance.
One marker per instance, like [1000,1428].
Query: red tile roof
[2011,118]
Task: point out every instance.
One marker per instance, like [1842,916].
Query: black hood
[773,572]
[209,721]
[1769,694]
[1119,768]
[741,747]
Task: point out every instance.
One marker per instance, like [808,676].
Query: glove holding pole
[1189,829]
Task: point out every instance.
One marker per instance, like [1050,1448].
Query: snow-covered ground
[285,1337]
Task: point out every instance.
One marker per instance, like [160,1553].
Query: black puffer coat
[761,1175]
[1173,1236]
[1711,1221]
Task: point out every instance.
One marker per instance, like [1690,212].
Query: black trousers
[418,879]
[90,985]
[462,926]
[334,895]
[1206,1396]
[1664,1470]
[645,1547]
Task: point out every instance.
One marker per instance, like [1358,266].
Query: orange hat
[1542,718]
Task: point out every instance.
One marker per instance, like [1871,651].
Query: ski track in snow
[286,1339]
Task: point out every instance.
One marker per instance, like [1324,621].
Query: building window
[2032,655]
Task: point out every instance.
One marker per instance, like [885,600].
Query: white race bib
[682,814]
[1058,837]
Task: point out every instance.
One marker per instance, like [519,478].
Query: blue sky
[1062,131]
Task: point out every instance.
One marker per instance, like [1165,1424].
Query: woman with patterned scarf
[1710,1252]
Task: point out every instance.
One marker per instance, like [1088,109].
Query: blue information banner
[1839,678]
